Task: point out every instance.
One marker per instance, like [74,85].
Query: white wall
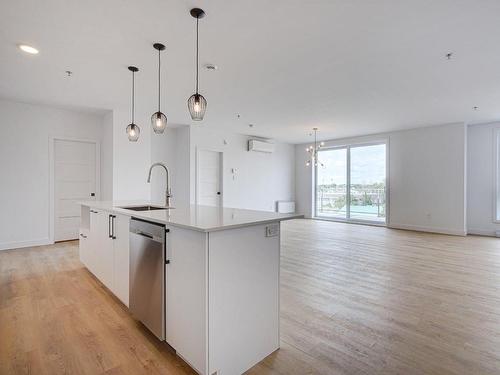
[131,160]
[24,152]
[182,181]
[304,182]
[261,179]
[427,175]
[480,181]
[107,157]
[172,149]
[163,150]
[427,179]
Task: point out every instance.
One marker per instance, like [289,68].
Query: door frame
[52,143]
[348,146]
[197,174]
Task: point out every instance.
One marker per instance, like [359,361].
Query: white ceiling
[349,67]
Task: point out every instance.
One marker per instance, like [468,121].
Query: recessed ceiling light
[28,49]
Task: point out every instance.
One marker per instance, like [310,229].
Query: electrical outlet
[272,230]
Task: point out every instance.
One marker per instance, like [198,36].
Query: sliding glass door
[351,183]
[331,184]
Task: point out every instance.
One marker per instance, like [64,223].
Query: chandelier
[313,151]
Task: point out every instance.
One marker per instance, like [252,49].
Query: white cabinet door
[121,252]
[93,243]
[105,255]
[186,295]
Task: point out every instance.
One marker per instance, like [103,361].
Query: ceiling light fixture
[197,104]
[133,130]
[158,119]
[313,151]
[28,49]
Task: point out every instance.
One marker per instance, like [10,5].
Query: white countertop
[201,218]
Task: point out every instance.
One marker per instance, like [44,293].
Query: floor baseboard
[21,244]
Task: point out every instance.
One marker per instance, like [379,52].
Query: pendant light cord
[197,66]
[133,95]
[159,80]
[315,144]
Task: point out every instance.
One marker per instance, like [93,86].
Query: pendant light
[133,130]
[313,151]
[158,119]
[197,104]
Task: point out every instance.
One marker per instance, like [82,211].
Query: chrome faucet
[168,193]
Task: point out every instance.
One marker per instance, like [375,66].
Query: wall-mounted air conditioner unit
[260,146]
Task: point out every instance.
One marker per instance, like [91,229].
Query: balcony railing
[365,202]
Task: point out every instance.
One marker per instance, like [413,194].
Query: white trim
[351,221]
[348,184]
[197,174]
[21,244]
[418,228]
[496,175]
[387,181]
[355,142]
[52,140]
[415,228]
[481,232]
[466,176]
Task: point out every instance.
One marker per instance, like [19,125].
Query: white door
[209,178]
[74,180]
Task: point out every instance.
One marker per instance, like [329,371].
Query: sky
[367,165]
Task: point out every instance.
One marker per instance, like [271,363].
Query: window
[351,184]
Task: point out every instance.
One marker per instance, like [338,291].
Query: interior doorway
[209,178]
[75,178]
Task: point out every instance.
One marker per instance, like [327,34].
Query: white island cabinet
[221,279]
[104,249]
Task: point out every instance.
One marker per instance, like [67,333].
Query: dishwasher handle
[138,232]
[113,217]
[149,236]
[110,218]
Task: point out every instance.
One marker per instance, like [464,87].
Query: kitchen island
[221,277]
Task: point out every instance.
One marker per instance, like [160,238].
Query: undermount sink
[146,208]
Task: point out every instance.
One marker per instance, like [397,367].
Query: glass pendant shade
[197,106]
[158,122]
[158,119]
[133,132]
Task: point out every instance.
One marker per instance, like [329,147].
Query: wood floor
[354,300]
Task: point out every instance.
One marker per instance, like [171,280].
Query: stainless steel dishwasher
[147,274]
